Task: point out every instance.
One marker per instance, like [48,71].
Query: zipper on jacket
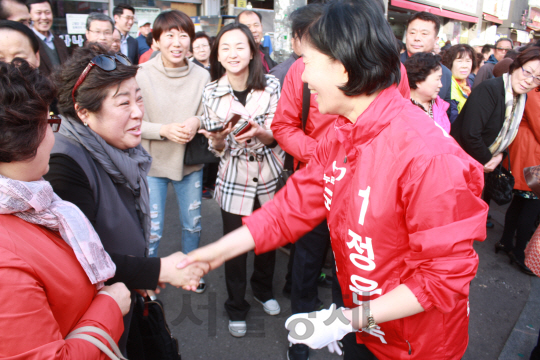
[410,348]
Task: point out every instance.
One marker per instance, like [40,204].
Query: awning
[492,18]
[434,10]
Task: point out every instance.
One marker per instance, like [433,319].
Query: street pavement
[504,319]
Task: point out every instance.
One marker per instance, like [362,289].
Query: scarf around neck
[127,167]
[512,117]
[35,202]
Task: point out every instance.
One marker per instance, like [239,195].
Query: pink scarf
[35,202]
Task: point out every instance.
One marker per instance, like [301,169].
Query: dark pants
[351,349]
[236,273]
[209,175]
[307,258]
[520,217]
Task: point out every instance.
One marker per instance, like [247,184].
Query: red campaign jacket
[287,123]
[402,201]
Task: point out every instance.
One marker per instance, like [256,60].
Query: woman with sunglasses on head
[52,263]
[99,165]
[172,87]
[489,120]
[400,197]
[239,105]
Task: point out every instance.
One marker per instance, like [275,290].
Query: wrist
[163,130]
[163,273]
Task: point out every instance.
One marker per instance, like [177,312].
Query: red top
[287,123]
[45,295]
[402,200]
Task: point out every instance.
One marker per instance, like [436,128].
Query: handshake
[187,277]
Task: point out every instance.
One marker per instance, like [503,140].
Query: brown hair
[25,96]
[173,19]
[530,54]
[457,52]
[93,90]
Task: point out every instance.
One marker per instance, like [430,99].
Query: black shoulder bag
[288,167]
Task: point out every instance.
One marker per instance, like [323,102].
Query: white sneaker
[202,286]
[271,307]
[237,328]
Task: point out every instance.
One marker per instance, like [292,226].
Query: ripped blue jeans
[189,196]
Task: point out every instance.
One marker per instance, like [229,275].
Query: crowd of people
[390,144]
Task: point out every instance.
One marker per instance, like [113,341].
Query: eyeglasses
[504,49]
[55,122]
[105,33]
[128,18]
[201,47]
[105,63]
[528,75]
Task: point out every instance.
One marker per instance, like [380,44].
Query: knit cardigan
[169,95]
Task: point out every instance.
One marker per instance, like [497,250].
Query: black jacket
[266,51]
[481,119]
[133,50]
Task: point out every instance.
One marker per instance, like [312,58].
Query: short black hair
[356,33]
[201,35]
[29,3]
[247,12]
[23,29]
[487,48]
[25,97]
[256,78]
[149,39]
[3,12]
[302,18]
[504,39]
[457,52]
[420,65]
[173,19]
[426,16]
[119,9]
[96,16]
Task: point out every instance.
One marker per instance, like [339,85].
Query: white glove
[319,329]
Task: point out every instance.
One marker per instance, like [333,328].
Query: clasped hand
[187,277]
[180,133]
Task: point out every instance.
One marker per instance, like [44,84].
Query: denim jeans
[189,196]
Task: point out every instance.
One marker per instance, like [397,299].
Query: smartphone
[216,129]
[242,129]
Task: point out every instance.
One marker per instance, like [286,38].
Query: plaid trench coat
[246,170]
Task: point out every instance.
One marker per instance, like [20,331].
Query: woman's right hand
[217,137]
[493,163]
[175,132]
[120,293]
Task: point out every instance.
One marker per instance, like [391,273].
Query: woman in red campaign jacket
[401,198]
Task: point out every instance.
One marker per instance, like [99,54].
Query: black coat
[481,119]
[133,50]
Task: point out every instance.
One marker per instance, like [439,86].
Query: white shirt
[46,39]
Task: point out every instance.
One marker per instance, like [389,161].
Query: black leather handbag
[197,152]
[149,335]
[288,166]
[499,184]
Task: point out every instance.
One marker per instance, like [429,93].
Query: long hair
[256,79]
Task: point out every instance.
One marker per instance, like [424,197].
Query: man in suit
[124,17]
[14,10]
[52,49]
[253,20]
[99,28]
[422,34]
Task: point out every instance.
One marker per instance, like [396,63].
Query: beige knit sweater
[169,95]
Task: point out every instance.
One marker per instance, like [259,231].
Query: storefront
[70,15]
[458,17]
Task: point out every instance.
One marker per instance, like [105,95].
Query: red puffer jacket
[403,205]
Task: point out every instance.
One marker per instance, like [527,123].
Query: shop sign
[498,8]
[76,23]
[461,6]
[241,3]
[535,17]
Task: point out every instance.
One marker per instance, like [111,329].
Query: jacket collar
[223,88]
[386,106]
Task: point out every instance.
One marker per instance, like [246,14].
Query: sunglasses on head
[105,63]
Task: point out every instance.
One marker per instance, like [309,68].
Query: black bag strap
[306,98]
